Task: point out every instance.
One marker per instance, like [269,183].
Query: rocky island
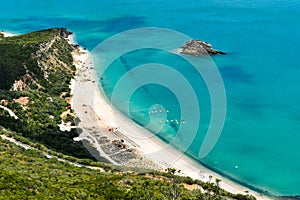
[198,47]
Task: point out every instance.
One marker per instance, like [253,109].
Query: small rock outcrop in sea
[198,47]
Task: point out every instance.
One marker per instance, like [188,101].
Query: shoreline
[7,34]
[97,116]
[104,116]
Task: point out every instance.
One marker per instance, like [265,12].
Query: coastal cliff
[36,70]
[35,60]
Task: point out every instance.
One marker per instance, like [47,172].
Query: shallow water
[260,72]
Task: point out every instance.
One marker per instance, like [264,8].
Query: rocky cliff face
[198,47]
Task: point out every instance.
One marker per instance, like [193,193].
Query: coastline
[7,34]
[97,117]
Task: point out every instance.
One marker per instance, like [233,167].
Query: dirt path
[25,146]
[11,113]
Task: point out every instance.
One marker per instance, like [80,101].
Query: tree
[175,186]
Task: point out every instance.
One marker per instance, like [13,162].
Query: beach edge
[143,141]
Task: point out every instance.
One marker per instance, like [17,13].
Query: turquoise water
[261,73]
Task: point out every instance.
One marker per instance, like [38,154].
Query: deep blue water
[261,73]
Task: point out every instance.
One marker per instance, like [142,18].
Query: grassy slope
[28,174]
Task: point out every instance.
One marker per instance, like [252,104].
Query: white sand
[7,34]
[94,111]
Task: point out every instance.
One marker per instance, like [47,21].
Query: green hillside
[41,63]
[28,174]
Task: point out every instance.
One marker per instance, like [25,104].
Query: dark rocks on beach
[198,47]
[76,46]
[64,32]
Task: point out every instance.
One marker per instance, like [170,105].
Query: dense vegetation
[28,174]
[42,64]
[41,59]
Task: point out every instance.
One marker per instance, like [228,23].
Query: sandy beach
[121,141]
[7,34]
